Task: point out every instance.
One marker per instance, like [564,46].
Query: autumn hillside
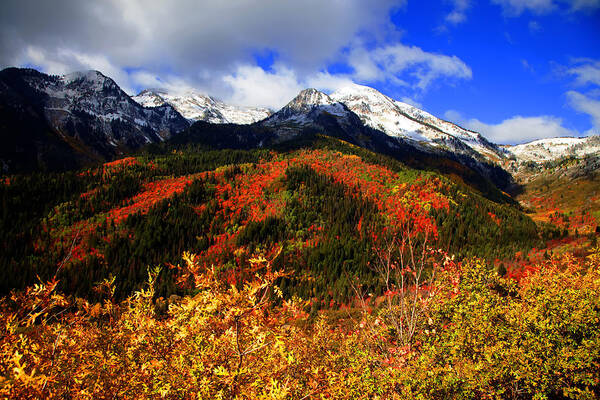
[312,272]
[325,209]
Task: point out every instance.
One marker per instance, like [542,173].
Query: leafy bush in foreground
[483,337]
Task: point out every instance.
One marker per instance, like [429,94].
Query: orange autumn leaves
[152,193]
[257,191]
[73,237]
[253,192]
[485,332]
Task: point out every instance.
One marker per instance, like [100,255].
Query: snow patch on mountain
[403,120]
[379,112]
[90,105]
[196,106]
[556,148]
[305,108]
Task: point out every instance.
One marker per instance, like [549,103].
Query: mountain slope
[196,106]
[402,120]
[315,111]
[87,111]
[555,148]
[312,114]
[320,205]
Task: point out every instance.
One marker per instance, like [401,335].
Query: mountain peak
[150,98]
[311,97]
[89,75]
[308,105]
[355,89]
[91,79]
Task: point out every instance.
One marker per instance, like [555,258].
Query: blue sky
[520,61]
[514,70]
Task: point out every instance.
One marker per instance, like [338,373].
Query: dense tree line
[478,227]
[324,228]
[29,200]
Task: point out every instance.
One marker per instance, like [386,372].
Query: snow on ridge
[308,103]
[403,120]
[378,111]
[90,75]
[555,148]
[554,141]
[196,106]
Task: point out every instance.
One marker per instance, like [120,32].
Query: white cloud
[412,102]
[199,40]
[253,85]
[328,82]
[527,66]
[586,105]
[587,76]
[458,14]
[586,72]
[455,116]
[274,89]
[403,65]
[173,84]
[577,5]
[517,7]
[515,130]
[364,65]
[397,65]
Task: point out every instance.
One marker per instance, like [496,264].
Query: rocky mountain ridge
[552,149]
[87,116]
[84,114]
[196,106]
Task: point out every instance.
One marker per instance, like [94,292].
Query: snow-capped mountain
[402,120]
[312,110]
[556,148]
[367,118]
[196,106]
[87,111]
[87,115]
[97,102]
[306,107]
[353,108]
